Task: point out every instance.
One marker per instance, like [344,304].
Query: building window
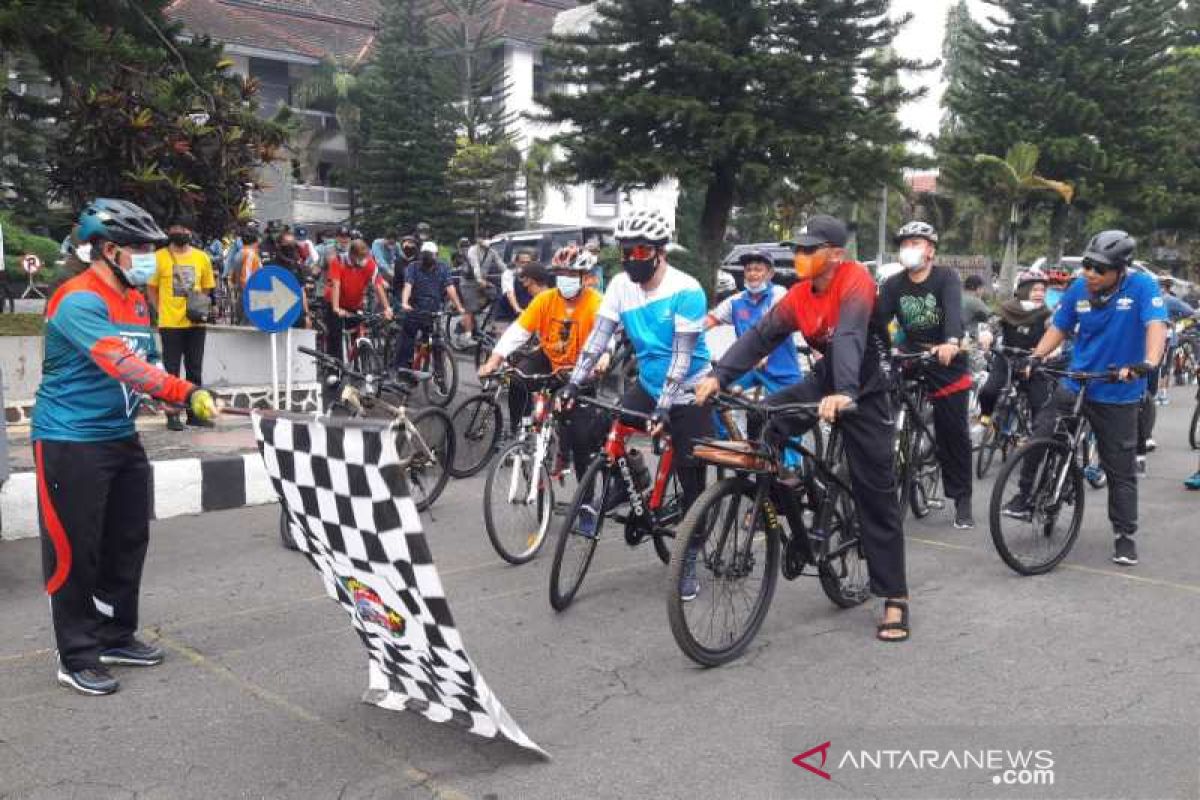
[275,87]
[543,78]
[603,201]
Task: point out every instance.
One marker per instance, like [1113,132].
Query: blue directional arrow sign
[273,299]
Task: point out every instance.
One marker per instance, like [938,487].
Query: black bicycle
[431,354]
[1033,538]
[918,471]
[1012,420]
[737,533]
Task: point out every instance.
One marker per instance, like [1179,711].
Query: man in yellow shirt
[181,269]
[562,318]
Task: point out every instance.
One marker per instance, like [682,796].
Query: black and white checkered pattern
[346,494]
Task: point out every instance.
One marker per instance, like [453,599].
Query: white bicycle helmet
[916,230]
[644,225]
[584,261]
[1032,275]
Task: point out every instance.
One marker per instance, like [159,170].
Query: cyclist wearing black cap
[926,302]
[1119,319]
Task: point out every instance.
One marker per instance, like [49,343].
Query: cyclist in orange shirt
[562,319]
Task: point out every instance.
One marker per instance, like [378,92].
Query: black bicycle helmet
[1113,249]
[118,221]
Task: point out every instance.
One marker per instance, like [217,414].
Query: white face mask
[1029,305]
[913,258]
[568,285]
[757,288]
[142,267]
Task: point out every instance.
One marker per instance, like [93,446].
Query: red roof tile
[923,183]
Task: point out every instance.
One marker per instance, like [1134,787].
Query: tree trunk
[1008,267]
[714,220]
[1058,232]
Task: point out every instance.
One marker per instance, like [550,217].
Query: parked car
[782,253]
[544,242]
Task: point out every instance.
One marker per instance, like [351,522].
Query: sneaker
[1151,445]
[1193,483]
[1124,551]
[689,584]
[585,523]
[174,423]
[1162,398]
[196,422]
[963,520]
[1095,475]
[92,681]
[1141,465]
[135,654]
[1018,508]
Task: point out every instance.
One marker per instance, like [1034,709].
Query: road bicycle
[617,480]
[518,495]
[431,354]
[1012,420]
[1035,542]
[737,534]
[918,471]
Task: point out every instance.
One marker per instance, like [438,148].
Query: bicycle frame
[617,455]
[543,436]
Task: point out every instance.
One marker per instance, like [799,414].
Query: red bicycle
[616,484]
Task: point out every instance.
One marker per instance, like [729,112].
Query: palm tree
[1016,182]
[540,177]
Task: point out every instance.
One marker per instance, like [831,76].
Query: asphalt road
[261,694]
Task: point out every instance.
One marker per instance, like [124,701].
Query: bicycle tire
[563,588]
[450,326]
[285,530]
[477,425]
[696,530]
[440,388]
[1073,488]
[1194,429]
[843,573]
[425,475]
[925,474]
[988,445]
[900,466]
[543,511]
[663,537]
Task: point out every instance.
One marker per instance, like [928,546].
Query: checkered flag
[346,496]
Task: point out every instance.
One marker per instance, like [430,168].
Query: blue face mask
[142,267]
[758,288]
[568,285]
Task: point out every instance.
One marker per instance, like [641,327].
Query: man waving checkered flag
[343,486]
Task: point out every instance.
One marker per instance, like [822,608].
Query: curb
[179,487]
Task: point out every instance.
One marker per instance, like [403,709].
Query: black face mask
[288,251]
[179,239]
[427,260]
[409,252]
[640,271]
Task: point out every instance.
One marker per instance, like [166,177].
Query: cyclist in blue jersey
[662,311]
[93,479]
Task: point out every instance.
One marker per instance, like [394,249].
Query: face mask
[142,267]
[568,285]
[409,252]
[427,259]
[640,271]
[288,251]
[912,258]
[179,239]
[1029,305]
[757,288]
[811,265]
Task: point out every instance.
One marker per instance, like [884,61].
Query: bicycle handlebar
[780,409]
[335,363]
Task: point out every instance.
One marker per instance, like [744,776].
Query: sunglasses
[639,252]
[1096,267]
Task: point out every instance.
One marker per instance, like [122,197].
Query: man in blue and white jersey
[662,311]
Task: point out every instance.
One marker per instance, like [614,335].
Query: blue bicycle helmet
[118,221]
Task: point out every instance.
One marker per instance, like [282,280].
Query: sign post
[273,301]
[31,264]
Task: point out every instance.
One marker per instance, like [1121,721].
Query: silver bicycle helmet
[644,225]
[917,230]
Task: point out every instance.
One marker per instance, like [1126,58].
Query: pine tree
[732,97]
[467,40]
[407,139]
[959,56]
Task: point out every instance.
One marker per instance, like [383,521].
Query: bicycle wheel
[1194,429]
[453,333]
[431,450]
[988,445]
[515,513]
[483,350]
[439,389]
[925,481]
[900,466]
[575,547]
[477,425]
[1036,545]
[285,530]
[843,572]
[670,516]
[737,565]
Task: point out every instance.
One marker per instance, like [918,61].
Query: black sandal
[902,625]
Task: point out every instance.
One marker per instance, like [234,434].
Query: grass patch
[22,324]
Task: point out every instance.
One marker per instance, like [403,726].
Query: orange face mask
[811,265]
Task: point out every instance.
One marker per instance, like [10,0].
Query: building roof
[343,29]
[923,182]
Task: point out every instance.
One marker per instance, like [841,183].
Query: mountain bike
[737,531]
[1012,420]
[617,478]
[1036,545]
[918,471]
[518,495]
[431,354]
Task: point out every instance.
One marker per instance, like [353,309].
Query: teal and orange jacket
[99,361]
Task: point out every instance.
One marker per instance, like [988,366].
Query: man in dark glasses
[1119,319]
